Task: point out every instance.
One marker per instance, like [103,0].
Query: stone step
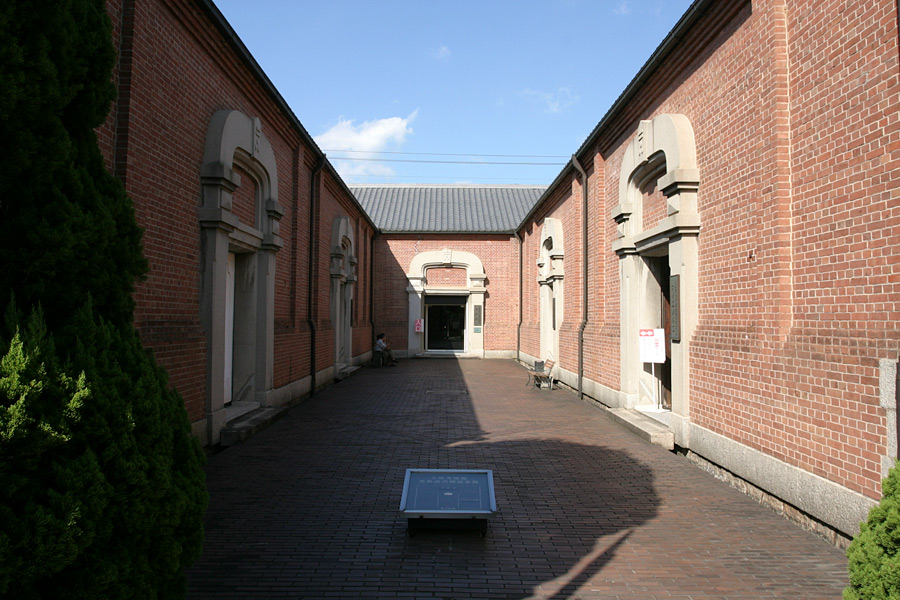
[649,429]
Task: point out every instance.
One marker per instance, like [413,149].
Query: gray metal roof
[458,208]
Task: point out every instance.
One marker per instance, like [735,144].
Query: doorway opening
[659,315]
[445,323]
[242,329]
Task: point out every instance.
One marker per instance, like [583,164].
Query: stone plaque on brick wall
[675,307]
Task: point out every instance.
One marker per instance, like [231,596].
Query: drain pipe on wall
[521,298]
[372,287]
[311,305]
[584,273]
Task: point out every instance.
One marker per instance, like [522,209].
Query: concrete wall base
[823,500]
[819,505]
[792,513]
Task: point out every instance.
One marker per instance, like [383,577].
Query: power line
[429,178]
[451,154]
[448,162]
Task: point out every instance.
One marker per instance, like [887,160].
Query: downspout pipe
[313,272]
[372,287]
[521,297]
[585,258]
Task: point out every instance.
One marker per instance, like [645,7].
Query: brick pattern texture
[154,141]
[794,108]
[499,255]
[585,509]
[794,105]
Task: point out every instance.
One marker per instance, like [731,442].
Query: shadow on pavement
[309,507]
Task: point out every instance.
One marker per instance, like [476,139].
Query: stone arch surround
[343,281]
[418,288]
[247,327]
[663,151]
[550,279]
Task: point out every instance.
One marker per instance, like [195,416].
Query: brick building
[447,264]
[741,195]
[258,289]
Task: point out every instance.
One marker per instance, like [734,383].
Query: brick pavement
[308,508]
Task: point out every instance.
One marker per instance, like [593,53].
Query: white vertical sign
[653,345]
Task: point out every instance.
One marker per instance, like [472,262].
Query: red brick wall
[788,361]
[530,331]
[363,333]
[244,201]
[500,257]
[440,277]
[564,205]
[795,118]
[654,206]
[334,204]
[602,333]
[154,140]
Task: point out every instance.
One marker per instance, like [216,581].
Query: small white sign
[420,325]
[653,345]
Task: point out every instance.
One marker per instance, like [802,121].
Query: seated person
[382,347]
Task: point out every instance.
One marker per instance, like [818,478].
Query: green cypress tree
[874,555]
[67,228]
[51,494]
[101,484]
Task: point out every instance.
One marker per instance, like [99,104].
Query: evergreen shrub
[103,491]
[101,483]
[874,555]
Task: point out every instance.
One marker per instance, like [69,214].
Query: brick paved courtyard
[308,508]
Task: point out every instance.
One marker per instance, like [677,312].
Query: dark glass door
[445,327]
[659,266]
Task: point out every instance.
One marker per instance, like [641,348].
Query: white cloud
[367,137]
[443,53]
[623,8]
[358,172]
[370,136]
[553,102]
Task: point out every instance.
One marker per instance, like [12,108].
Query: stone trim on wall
[343,282]
[662,150]
[551,273]
[446,258]
[234,138]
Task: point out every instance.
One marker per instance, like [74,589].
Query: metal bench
[541,373]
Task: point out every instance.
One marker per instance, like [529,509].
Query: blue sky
[451,81]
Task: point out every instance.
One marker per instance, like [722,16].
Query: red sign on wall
[420,325]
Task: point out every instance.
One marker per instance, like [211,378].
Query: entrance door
[445,327]
[229,327]
[659,267]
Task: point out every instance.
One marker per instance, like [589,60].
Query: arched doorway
[343,280]
[658,264]
[450,307]
[550,280]
[238,218]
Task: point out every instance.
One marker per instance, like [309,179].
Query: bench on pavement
[541,373]
[379,358]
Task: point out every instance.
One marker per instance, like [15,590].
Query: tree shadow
[309,507]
